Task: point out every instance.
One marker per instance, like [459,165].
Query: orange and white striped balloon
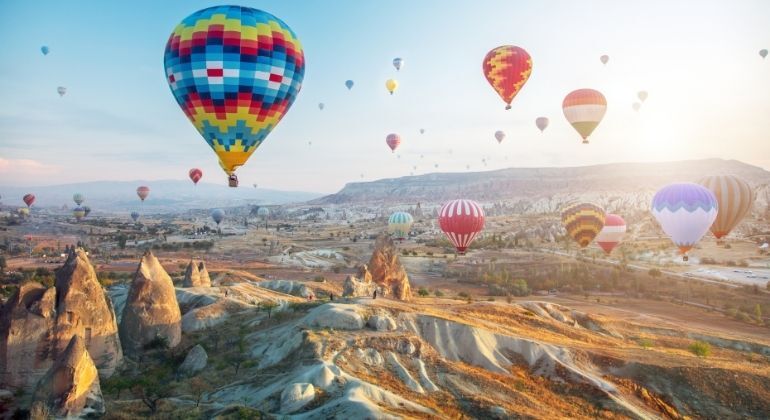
[734,197]
[584,109]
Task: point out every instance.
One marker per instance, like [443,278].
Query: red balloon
[507,69]
[29,199]
[393,141]
[196,175]
[461,220]
[143,192]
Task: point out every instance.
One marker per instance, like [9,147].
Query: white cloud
[27,167]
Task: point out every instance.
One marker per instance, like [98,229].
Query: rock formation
[195,361]
[296,396]
[360,284]
[387,271]
[204,274]
[71,387]
[196,275]
[37,324]
[151,310]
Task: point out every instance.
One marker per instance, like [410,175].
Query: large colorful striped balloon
[79,213]
[507,69]
[685,211]
[393,140]
[399,225]
[235,71]
[584,109]
[612,233]
[461,220]
[583,222]
[143,192]
[734,197]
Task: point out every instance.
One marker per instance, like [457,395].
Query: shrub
[700,348]
[319,279]
[439,293]
[463,295]
[423,292]
[646,343]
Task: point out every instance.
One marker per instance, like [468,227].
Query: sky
[709,90]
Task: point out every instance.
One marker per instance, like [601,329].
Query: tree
[122,241]
[700,348]
[152,387]
[423,292]
[438,293]
[199,386]
[268,306]
[3,264]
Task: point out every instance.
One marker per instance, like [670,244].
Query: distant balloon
[583,222]
[499,135]
[195,175]
[309,143]
[143,192]
[23,211]
[45,50]
[263,212]
[507,69]
[461,220]
[391,85]
[399,225]
[612,233]
[61,90]
[135,215]
[79,213]
[763,53]
[218,215]
[636,106]
[541,123]
[86,210]
[235,71]
[393,140]
[422,131]
[435,165]
[398,62]
[734,198]
[604,59]
[642,95]
[685,211]
[255,185]
[349,84]
[584,109]
[321,106]
[78,198]
[29,199]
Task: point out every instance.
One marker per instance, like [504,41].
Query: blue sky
[708,89]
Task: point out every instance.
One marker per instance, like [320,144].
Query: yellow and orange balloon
[507,68]
[584,109]
[583,222]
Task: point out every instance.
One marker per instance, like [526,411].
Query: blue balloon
[349,84]
[218,215]
[135,215]
[45,50]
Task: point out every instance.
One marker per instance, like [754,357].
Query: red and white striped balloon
[393,141]
[461,220]
[612,233]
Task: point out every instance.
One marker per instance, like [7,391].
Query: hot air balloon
[79,213]
[86,211]
[391,85]
[642,95]
[422,131]
[685,211]
[78,198]
[636,106]
[734,198]
[29,199]
[263,212]
[143,192]
[398,62]
[218,215]
[45,50]
[604,59]
[541,123]
[23,211]
[612,233]
[195,175]
[499,135]
[584,109]
[321,106]
[135,215]
[61,90]
[583,222]
[235,72]
[349,84]
[255,185]
[763,53]
[399,225]
[393,140]
[461,220]
[507,69]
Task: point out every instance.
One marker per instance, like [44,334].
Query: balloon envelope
[685,211]
[143,192]
[391,85]
[78,198]
[399,225]
[734,198]
[499,135]
[398,62]
[135,215]
[393,140]
[507,69]
[636,106]
[195,175]
[349,84]
[461,220]
[23,211]
[218,215]
[235,72]
[583,222]
[604,59]
[61,90]
[29,199]
[584,109]
[542,123]
[321,106]
[79,212]
[263,212]
[763,53]
[86,210]
[45,50]
[642,95]
[422,131]
[612,233]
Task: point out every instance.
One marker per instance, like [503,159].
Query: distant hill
[535,183]
[165,196]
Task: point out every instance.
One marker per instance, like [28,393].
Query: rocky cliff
[386,269]
[151,310]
